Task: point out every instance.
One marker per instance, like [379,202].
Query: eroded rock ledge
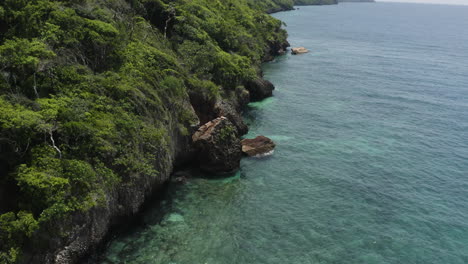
[259,89]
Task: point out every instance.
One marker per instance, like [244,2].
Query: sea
[371,163]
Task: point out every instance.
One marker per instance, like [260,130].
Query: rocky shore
[214,147]
[102,117]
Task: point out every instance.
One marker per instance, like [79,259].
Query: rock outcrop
[243,97]
[259,89]
[257,146]
[229,105]
[228,110]
[299,50]
[276,48]
[218,146]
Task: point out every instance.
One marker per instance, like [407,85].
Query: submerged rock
[299,50]
[180,177]
[257,146]
[175,217]
[259,89]
[218,146]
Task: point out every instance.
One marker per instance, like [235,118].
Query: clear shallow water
[372,158]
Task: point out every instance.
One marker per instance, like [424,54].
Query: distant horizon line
[435,2]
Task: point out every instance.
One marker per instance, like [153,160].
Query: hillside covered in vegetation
[271,6]
[98,100]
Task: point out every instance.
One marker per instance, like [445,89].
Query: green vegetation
[315,2]
[226,133]
[88,87]
[271,6]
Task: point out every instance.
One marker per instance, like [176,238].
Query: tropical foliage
[87,88]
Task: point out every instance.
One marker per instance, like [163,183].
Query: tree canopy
[87,88]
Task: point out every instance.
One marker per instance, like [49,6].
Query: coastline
[164,95]
[184,165]
[179,160]
[341,223]
[85,233]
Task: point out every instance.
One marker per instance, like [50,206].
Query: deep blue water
[371,164]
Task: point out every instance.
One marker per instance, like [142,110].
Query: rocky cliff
[98,103]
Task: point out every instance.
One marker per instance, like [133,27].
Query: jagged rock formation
[226,109]
[218,146]
[259,89]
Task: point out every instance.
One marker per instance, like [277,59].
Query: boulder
[259,89]
[228,110]
[218,146]
[257,146]
[299,50]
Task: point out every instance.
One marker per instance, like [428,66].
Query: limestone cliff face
[101,102]
[82,232]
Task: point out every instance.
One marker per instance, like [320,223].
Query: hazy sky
[453,2]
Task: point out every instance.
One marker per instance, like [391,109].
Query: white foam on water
[174,217]
[269,153]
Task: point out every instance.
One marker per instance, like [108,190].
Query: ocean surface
[371,164]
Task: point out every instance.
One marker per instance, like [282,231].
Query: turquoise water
[371,164]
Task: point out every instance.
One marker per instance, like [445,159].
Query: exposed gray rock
[218,146]
[226,109]
[259,89]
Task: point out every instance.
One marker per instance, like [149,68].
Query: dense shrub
[87,89]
